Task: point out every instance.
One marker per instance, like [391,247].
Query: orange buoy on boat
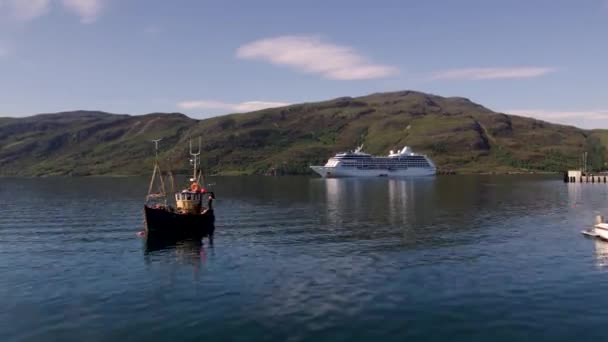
[195,187]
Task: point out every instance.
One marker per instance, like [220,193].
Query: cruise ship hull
[338,172]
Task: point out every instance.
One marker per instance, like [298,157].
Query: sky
[542,58]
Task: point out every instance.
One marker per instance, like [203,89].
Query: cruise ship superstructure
[403,163]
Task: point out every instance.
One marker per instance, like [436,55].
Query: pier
[577,176]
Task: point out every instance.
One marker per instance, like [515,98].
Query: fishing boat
[187,218]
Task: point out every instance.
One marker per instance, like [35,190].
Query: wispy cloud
[27,10]
[87,10]
[583,118]
[248,106]
[492,73]
[313,55]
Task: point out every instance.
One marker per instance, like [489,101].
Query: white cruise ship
[403,163]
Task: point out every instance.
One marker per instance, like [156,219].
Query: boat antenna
[195,160]
[156,148]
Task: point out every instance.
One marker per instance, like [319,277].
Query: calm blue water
[462,258]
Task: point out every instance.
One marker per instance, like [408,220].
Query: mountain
[456,133]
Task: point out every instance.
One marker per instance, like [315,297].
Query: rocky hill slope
[458,135]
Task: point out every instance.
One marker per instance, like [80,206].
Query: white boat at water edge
[601,231]
[403,163]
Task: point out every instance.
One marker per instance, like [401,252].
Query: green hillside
[456,133]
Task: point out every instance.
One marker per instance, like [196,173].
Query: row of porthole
[385,166]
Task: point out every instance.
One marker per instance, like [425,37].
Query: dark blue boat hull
[164,223]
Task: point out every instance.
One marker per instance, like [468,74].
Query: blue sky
[542,58]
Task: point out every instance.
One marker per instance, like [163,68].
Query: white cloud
[248,106]
[25,10]
[87,10]
[583,118]
[492,73]
[313,55]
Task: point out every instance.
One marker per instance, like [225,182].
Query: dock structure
[578,176]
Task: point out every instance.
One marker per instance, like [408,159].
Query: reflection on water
[601,253]
[574,194]
[398,200]
[187,252]
[378,207]
[345,197]
[352,199]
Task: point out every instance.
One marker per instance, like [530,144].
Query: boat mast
[157,169]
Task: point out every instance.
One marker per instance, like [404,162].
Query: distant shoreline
[232,174]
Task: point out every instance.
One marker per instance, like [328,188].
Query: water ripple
[298,259]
